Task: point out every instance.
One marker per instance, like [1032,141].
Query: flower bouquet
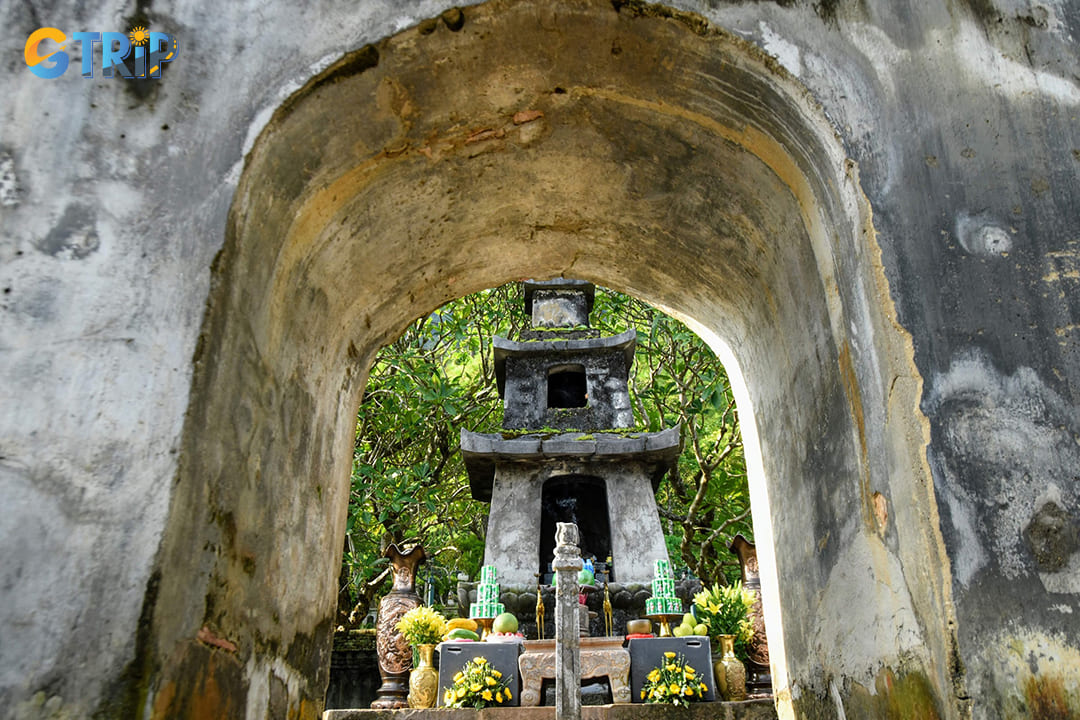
[422,626]
[674,683]
[725,610]
[478,685]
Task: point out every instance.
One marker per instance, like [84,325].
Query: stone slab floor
[748,710]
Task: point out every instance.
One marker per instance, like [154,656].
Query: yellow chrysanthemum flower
[487,695]
[508,695]
[642,694]
[458,677]
[654,675]
[490,680]
[460,693]
[669,654]
[688,691]
[496,673]
[670,667]
[498,696]
[673,688]
[475,687]
[704,688]
[480,660]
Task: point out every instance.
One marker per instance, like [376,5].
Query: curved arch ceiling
[646,152]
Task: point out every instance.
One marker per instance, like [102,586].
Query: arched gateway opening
[637,148]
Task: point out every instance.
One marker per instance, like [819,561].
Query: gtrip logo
[145,51]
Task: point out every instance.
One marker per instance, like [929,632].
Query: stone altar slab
[600,657]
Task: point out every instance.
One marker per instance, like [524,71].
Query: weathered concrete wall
[174,570]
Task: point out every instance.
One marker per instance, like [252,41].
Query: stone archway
[629,145]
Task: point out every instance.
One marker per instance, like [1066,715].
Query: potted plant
[478,685]
[423,628]
[725,611]
[674,682]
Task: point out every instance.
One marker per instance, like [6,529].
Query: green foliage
[409,481]
[676,379]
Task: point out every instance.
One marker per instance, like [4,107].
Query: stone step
[748,710]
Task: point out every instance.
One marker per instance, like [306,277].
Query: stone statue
[539,609]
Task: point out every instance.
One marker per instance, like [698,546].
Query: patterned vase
[729,672]
[424,680]
[395,655]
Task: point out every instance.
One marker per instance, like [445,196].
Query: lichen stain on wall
[894,695]
[214,687]
[1008,445]
[903,697]
[1037,676]
[1047,699]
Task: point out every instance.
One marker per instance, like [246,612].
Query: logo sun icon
[139,35]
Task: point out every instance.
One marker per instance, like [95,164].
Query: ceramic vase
[395,655]
[424,680]
[729,672]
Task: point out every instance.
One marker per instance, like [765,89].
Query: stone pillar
[567,564]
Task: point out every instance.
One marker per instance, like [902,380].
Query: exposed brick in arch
[639,149]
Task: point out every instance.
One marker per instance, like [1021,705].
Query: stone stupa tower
[568,451]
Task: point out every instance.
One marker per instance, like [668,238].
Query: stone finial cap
[569,284]
[566,534]
[552,303]
[567,553]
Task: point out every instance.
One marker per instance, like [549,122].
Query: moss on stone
[905,697]
[1047,699]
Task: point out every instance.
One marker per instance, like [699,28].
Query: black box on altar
[648,653]
[503,656]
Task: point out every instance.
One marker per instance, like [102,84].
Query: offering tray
[485,626]
[665,620]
